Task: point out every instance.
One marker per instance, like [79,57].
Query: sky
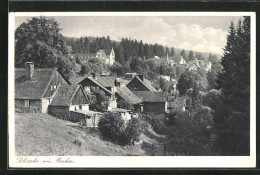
[197,33]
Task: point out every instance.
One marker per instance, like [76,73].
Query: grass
[44,135]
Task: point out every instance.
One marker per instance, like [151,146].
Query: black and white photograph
[136,89]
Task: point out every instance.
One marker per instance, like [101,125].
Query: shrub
[114,128]
[111,126]
[159,126]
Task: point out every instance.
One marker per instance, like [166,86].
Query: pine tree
[183,54]
[190,57]
[172,52]
[232,116]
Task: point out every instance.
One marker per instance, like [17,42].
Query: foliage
[114,128]
[212,75]
[39,40]
[183,54]
[190,79]
[232,115]
[98,100]
[212,99]
[124,105]
[191,135]
[159,125]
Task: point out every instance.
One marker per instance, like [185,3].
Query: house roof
[97,83]
[65,94]
[177,58]
[148,96]
[178,102]
[106,81]
[127,95]
[146,83]
[35,87]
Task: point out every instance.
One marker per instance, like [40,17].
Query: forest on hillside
[128,48]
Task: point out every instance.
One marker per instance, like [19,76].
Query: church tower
[112,57]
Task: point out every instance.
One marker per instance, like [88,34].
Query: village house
[153,102]
[139,83]
[35,87]
[108,57]
[199,64]
[176,103]
[173,88]
[179,60]
[71,103]
[105,83]
[165,77]
[123,93]
[169,61]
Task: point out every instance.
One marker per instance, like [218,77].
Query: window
[87,89]
[26,103]
[54,86]
[51,87]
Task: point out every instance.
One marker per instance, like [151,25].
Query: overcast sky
[204,34]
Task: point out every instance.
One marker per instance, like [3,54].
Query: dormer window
[55,86]
[135,89]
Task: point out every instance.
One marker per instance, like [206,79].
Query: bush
[159,126]
[115,129]
[192,135]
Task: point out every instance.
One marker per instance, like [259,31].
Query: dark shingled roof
[148,96]
[64,95]
[127,95]
[35,87]
[106,81]
[147,84]
[178,102]
[97,83]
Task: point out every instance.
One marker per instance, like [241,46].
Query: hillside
[44,135]
[70,42]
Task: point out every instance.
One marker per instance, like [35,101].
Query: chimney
[29,66]
[141,77]
[117,82]
[94,75]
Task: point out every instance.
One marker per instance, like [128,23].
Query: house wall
[45,104]
[93,120]
[77,117]
[112,103]
[154,107]
[61,112]
[136,84]
[34,105]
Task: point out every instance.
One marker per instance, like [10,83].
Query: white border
[135,161]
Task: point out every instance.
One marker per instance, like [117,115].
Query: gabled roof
[127,95]
[178,102]
[146,83]
[97,83]
[148,96]
[177,58]
[65,94]
[33,88]
[106,81]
